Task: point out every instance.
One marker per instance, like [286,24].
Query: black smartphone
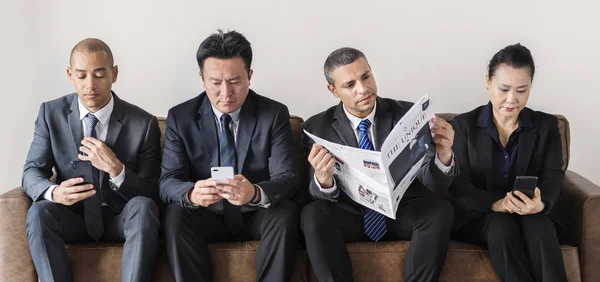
[526,185]
[83,169]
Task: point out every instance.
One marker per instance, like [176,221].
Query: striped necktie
[375,226]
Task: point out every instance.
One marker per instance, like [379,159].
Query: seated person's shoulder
[543,118]
[320,120]
[60,103]
[267,105]
[468,119]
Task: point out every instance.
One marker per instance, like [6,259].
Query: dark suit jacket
[265,151]
[333,125]
[540,154]
[133,135]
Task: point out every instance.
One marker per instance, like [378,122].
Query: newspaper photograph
[379,179]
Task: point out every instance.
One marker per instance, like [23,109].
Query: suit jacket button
[277,196]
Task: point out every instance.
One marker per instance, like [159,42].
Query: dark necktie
[231,213]
[92,206]
[375,226]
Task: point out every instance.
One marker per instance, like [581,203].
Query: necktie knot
[363,130]
[364,125]
[90,123]
[225,121]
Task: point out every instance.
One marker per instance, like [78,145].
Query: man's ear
[70,75]
[333,90]
[488,82]
[115,72]
[250,73]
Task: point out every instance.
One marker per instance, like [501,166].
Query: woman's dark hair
[225,46]
[516,56]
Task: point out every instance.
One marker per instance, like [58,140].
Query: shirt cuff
[48,193]
[327,191]
[186,201]
[445,169]
[264,200]
[117,181]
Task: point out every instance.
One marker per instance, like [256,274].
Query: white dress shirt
[103,116]
[355,122]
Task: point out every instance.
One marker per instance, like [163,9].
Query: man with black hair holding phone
[115,146]
[229,125]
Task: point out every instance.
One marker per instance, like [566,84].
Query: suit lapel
[75,125]
[342,126]
[115,124]
[384,123]
[245,130]
[208,131]
[527,140]
[484,146]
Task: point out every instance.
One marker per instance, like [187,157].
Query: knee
[173,218]
[40,213]
[314,217]
[285,214]
[440,213]
[501,228]
[143,205]
[145,210]
[534,225]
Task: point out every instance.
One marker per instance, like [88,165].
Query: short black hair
[340,57]
[516,56]
[227,45]
[91,45]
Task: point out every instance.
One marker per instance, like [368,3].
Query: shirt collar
[355,121]
[102,115]
[486,118]
[235,115]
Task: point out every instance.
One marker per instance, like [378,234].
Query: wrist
[256,197]
[445,158]
[116,170]
[328,183]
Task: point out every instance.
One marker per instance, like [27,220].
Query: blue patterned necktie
[92,206]
[375,226]
[232,214]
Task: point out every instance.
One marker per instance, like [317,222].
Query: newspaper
[378,180]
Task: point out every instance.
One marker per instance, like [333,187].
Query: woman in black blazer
[493,144]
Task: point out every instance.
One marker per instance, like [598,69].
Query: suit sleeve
[143,181]
[433,177]
[282,183]
[463,191]
[551,174]
[40,160]
[313,189]
[175,172]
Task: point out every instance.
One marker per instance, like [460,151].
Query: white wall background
[440,47]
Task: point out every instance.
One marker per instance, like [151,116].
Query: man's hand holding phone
[72,191]
[204,193]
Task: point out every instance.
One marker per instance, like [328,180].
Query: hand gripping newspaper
[378,180]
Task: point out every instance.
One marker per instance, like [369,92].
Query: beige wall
[413,46]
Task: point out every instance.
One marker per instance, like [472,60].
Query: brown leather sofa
[579,207]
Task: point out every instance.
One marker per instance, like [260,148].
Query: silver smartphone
[221,173]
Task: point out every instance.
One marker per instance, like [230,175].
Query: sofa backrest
[296,123]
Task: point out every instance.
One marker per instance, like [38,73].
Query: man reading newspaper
[337,216]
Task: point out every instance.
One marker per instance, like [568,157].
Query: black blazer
[133,135]
[333,125]
[265,150]
[540,154]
